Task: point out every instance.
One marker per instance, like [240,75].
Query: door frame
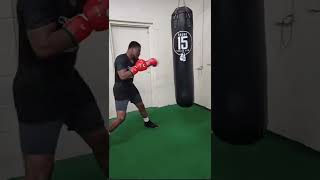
[125,23]
[132,24]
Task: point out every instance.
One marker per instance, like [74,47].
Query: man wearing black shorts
[126,66]
[48,90]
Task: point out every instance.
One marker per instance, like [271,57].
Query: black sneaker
[150,124]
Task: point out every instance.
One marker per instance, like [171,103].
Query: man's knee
[121,117]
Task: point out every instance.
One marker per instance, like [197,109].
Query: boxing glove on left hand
[78,27]
[96,12]
[140,65]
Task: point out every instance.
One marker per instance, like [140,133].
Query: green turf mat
[179,148]
[273,158]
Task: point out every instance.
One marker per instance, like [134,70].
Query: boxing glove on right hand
[140,65]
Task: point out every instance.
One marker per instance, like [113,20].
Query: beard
[135,59]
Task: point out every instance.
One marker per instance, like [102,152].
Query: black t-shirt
[122,62]
[34,14]
[122,89]
[43,88]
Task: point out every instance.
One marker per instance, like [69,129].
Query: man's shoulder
[121,58]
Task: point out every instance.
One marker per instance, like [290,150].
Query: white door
[121,37]
[207,82]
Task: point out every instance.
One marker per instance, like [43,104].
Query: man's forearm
[47,41]
[55,43]
[126,75]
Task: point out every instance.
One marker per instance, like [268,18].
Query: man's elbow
[122,77]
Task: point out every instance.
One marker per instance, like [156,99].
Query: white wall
[159,14]
[10,158]
[92,66]
[294,73]
[203,77]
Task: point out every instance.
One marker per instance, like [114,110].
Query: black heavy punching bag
[181,27]
[239,71]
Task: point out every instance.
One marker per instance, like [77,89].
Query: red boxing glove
[152,62]
[96,12]
[78,27]
[140,65]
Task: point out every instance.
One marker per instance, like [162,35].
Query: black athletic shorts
[125,93]
[122,105]
[44,107]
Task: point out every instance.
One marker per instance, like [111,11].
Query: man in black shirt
[126,66]
[48,90]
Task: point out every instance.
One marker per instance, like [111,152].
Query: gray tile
[11,160]
[6,93]
[13,8]
[8,120]
[93,66]
[93,56]
[8,48]
[6,9]
[70,145]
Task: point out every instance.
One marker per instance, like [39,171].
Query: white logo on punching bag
[183,57]
[182,44]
